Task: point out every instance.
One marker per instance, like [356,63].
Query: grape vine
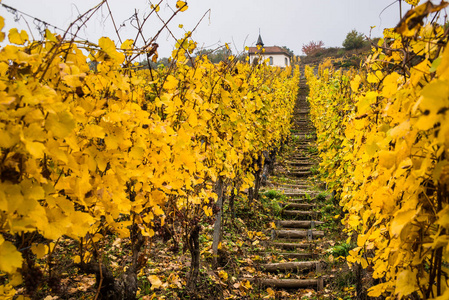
[89,152]
[383,134]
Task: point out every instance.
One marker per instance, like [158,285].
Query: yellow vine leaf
[94,131]
[108,46]
[271,293]
[157,210]
[60,124]
[406,283]
[2,24]
[36,149]
[157,197]
[413,2]
[377,290]
[154,57]
[7,139]
[156,7]
[127,45]
[413,19]
[443,68]
[17,38]
[355,83]
[39,250]
[223,275]
[443,217]
[170,83]
[50,36]
[155,281]
[387,159]
[444,296]
[11,258]
[181,5]
[207,210]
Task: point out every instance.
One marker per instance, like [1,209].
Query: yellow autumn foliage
[84,149]
[383,136]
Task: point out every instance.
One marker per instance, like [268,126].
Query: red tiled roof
[269,50]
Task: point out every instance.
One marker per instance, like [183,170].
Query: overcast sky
[289,23]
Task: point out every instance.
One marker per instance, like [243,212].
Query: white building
[278,56]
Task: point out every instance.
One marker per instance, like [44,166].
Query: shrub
[354,40]
[312,48]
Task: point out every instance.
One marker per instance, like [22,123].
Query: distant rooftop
[269,50]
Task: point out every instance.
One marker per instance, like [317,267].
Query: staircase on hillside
[296,241]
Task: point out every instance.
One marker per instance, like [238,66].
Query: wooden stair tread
[299,212]
[296,223]
[299,255]
[299,195]
[291,234]
[290,266]
[294,205]
[290,283]
[287,245]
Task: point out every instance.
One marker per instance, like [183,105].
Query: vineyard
[90,154]
[119,180]
[383,137]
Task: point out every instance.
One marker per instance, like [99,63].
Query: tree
[354,40]
[312,47]
[288,50]
[217,55]
[164,61]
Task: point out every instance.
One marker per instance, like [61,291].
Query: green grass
[341,249]
[312,150]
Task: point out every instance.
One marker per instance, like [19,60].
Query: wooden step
[296,224]
[317,283]
[301,142]
[298,266]
[289,283]
[300,174]
[303,197]
[309,135]
[302,148]
[302,200]
[300,213]
[300,163]
[300,193]
[296,193]
[291,205]
[290,186]
[300,157]
[290,246]
[296,234]
[307,255]
[299,200]
[298,170]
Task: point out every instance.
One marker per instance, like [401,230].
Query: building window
[286,61]
[271,60]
